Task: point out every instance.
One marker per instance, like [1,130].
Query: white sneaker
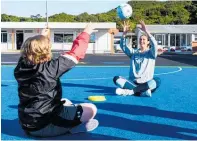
[147,93]
[85,126]
[124,92]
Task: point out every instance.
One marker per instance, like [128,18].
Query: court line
[103,78]
[180,69]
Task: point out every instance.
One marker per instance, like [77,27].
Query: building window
[177,40]
[166,39]
[68,38]
[58,38]
[162,39]
[189,39]
[183,39]
[158,38]
[195,37]
[28,31]
[63,38]
[92,38]
[172,39]
[4,37]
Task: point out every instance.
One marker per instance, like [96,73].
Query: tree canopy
[152,12]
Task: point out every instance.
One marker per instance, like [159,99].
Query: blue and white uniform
[142,65]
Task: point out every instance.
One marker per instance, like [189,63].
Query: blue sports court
[171,113]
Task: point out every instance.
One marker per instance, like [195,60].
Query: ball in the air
[124,11]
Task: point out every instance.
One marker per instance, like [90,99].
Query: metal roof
[55,25]
[172,28]
[70,25]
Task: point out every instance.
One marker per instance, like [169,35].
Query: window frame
[195,37]
[63,36]
[4,32]
[92,41]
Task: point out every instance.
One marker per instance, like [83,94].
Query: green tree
[62,17]
[152,12]
[9,18]
[193,12]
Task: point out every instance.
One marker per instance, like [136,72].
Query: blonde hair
[37,49]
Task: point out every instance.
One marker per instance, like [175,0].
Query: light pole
[47,20]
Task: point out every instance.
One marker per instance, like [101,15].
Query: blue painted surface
[171,113]
[114,63]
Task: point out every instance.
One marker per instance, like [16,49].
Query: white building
[174,35]
[13,34]
[170,36]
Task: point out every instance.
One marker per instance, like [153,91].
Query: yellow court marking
[97,98]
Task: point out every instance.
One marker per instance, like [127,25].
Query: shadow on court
[140,110]
[145,110]
[12,128]
[97,89]
[143,127]
[106,120]
[188,59]
[146,127]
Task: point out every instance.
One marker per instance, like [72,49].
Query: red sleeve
[79,46]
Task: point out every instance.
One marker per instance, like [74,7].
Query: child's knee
[94,109]
[66,101]
[89,111]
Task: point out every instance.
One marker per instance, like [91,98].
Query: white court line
[180,69]
[103,78]
[9,62]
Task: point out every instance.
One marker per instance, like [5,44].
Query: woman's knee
[158,81]
[119,81]
[152,84]
[89,111]
[115,79]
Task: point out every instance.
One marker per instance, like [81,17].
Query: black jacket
[40,91]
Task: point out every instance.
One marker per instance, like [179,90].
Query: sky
[26,8]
